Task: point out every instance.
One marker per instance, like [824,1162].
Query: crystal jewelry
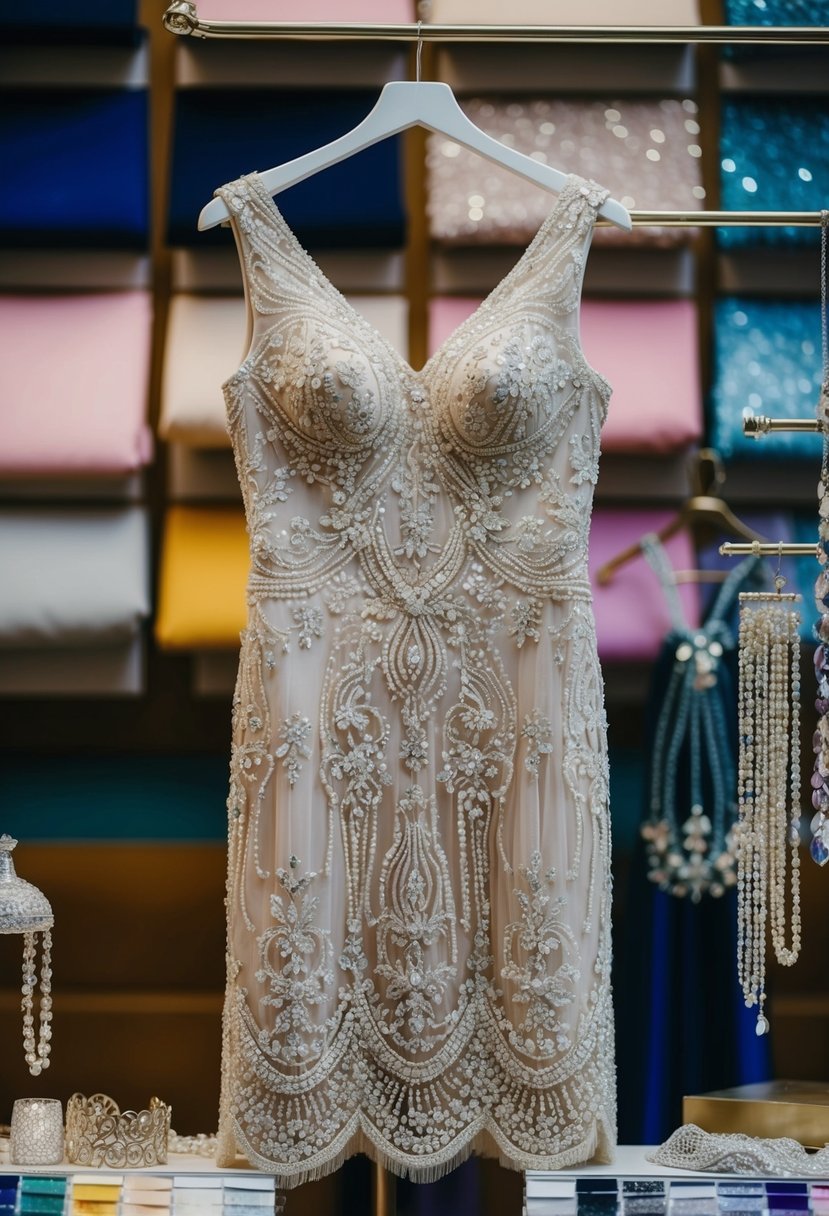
[97,1133]
[693,762]
[768,787]
[36,1132]
[690,1148]
[202,1144]
[24,909]
[819,846]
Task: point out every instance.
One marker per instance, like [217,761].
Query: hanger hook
[779,578]
[419,50]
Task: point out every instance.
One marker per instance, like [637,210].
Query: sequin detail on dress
[418,876]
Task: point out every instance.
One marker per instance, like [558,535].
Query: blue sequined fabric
[774,156]
[771,13]
[767,361]
[776,12]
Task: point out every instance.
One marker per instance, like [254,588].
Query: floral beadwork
[432,978]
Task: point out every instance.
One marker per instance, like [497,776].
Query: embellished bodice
[479,423]
[418,845]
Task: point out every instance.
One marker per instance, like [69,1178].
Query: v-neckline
[560,202]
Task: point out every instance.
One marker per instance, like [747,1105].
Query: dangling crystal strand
[27,1004]
[790,834]
[769,794]
[750,958]
[760,818]
[36,1053]
[44,1046]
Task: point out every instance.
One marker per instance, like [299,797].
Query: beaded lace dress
[418,886]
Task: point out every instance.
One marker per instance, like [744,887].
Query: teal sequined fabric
[767,361]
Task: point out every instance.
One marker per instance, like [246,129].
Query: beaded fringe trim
[598,1149]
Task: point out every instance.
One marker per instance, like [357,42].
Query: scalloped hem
[598,1148]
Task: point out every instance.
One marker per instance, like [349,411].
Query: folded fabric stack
[774,156]
[76,318]
[76,592]
[767,362]
[645,151]
[221,133]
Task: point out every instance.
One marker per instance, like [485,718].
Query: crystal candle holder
[36,1132]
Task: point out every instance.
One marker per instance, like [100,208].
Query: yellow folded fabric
[204,567]
[99,1191]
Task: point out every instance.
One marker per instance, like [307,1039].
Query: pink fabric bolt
[384,11]
[631,612]
[73,384]
[646,349]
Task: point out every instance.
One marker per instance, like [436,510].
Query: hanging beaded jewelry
[819,846]
[768,787]
[25,910]
[689,841]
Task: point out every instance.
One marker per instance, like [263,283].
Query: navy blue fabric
[221,135]
[88,21]
[74,168]
[774,156]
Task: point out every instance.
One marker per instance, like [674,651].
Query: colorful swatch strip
[110,1194]
[552,1195]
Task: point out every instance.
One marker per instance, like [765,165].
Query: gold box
[799,1109]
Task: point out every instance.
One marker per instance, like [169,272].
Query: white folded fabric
[74,578]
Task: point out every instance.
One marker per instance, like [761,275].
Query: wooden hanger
[703,511]
[403,104]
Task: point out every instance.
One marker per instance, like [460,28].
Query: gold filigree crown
[97,1133]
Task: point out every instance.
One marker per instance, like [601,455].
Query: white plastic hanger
[403,104]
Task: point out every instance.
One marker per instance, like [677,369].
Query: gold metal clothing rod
[759,425]
[741,549]
[182,18]
[723,219]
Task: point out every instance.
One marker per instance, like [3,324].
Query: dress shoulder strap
[272,269]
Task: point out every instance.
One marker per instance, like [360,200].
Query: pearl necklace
[768,785]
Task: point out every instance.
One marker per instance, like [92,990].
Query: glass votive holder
[36,1132]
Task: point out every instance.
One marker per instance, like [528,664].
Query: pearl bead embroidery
[418,872]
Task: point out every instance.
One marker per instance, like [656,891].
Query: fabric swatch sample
[204,347]
[74,168]
[73,384]
[222,133]
[631,613]
[385,11]
[73,577]
[640,346]
[645,152]
[774,156]
[204,568]
[565,12]
[767,360]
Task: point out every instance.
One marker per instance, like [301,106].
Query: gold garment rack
[722,219]
[182,18]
